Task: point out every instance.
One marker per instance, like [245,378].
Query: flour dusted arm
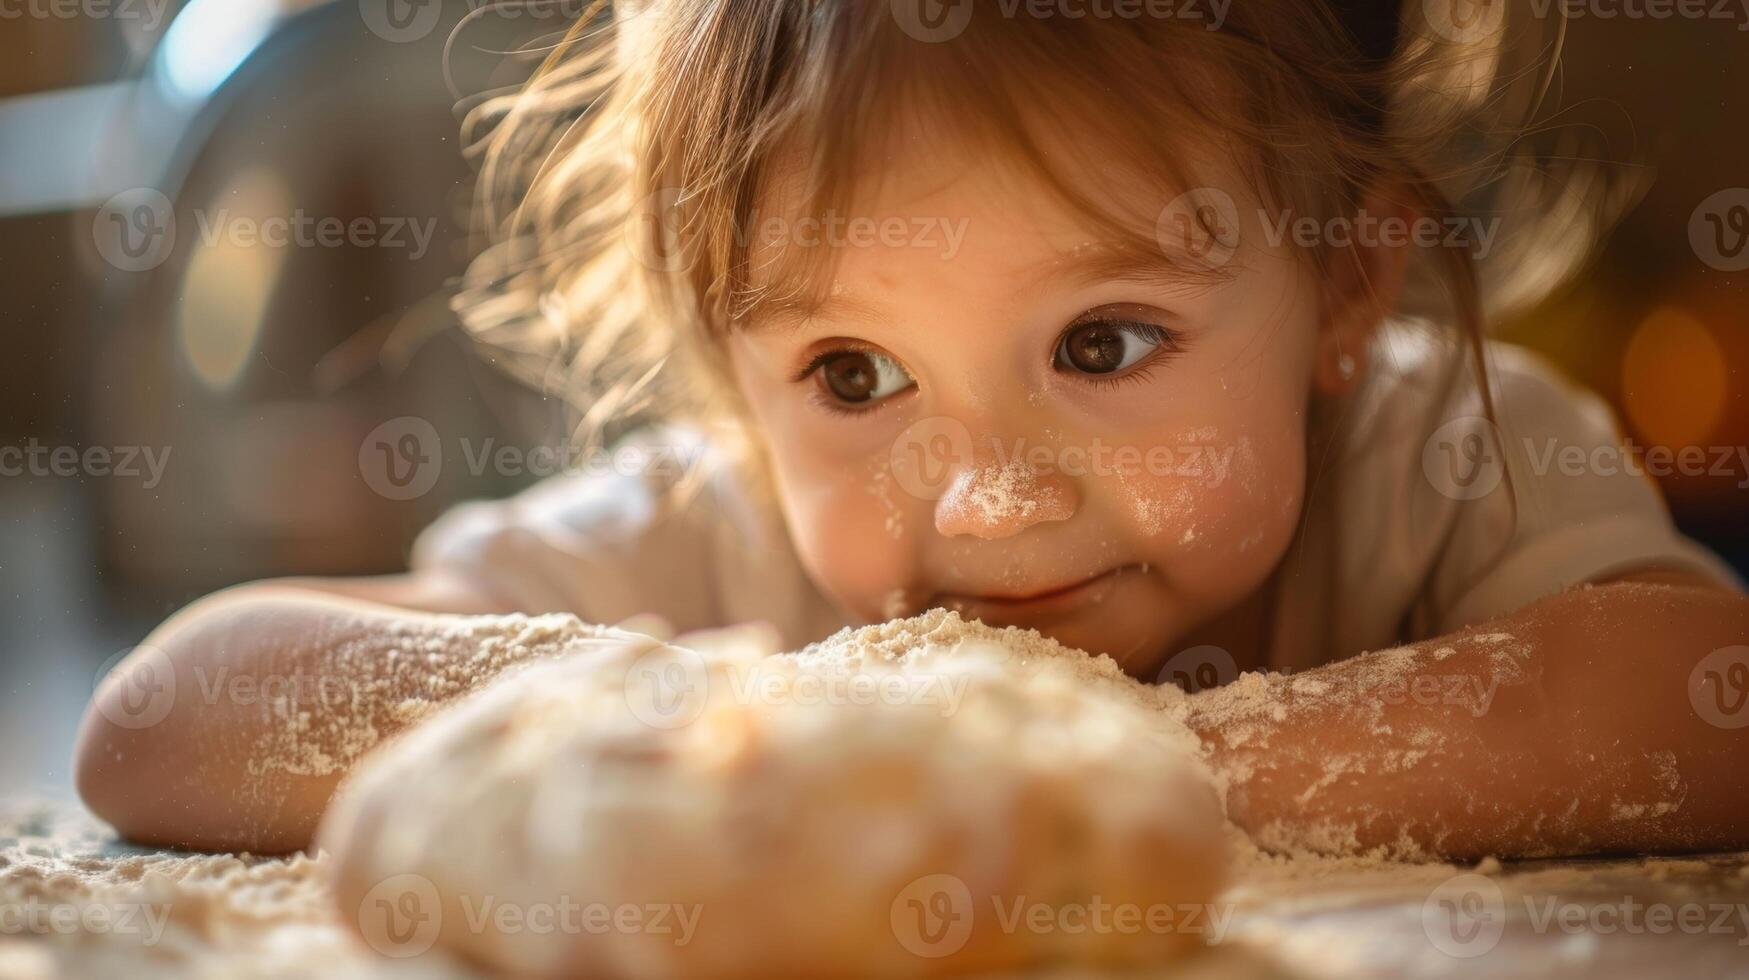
[231,725]
[280,686]
[1596,720]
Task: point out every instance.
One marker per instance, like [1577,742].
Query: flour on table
[1057,775]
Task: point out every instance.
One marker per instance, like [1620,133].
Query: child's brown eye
[1107,346]
[861,377]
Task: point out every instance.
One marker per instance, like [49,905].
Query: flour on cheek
[1209,496]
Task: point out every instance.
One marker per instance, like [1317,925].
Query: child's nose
[997,498]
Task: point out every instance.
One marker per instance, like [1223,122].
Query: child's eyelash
[822,399]
[819,360]
[1171,343]
[1141,372]
[816,364]
[837,407]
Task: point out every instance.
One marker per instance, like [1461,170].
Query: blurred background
[234,385]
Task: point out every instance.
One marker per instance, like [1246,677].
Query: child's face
[1014,430]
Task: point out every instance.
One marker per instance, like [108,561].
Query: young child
[1095,325]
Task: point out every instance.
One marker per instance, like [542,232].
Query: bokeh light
[1674,379]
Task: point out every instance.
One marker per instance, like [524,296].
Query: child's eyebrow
[1084,265]
[788,313]
[1094,263]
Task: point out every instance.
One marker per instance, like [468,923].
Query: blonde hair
[615,182]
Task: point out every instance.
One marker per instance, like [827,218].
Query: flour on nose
[1001,492]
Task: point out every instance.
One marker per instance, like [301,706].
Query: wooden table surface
[1594,919]
[1589,918]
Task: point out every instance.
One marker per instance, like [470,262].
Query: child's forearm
[1566,728]
[230,727]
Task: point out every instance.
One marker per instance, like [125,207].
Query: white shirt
[1404,536]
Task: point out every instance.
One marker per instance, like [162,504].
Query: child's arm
[231,725]
[1566,728]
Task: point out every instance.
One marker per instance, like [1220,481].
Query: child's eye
[860,377]
[1108,346]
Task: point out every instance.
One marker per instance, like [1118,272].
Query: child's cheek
[856,534]
[1217,520]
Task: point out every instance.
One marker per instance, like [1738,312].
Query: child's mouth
[1037,606]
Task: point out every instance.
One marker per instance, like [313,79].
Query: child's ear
[1365,282]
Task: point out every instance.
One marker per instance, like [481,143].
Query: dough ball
[925,798]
